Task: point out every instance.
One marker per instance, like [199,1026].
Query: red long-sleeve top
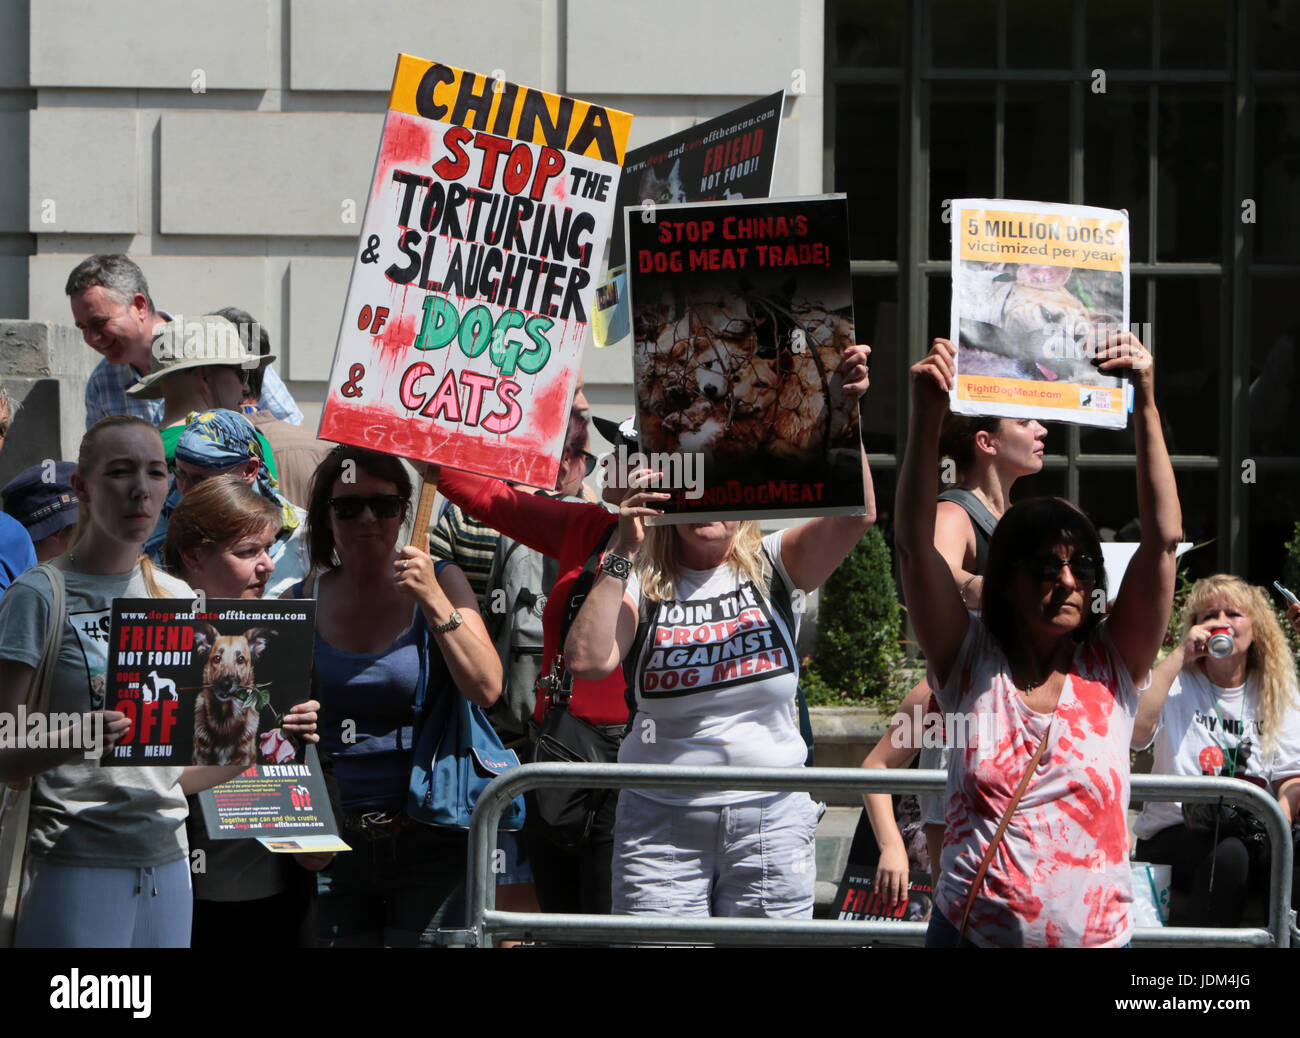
[567,531]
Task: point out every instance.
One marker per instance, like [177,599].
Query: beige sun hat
[195,343]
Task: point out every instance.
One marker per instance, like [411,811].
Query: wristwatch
[455,621]
[616,565]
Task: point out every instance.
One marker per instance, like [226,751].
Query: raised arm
[1141,614]
[534,520]
[812,550]
[1194,646]
[933,603]
[955,538]
[473,662]
[602,632]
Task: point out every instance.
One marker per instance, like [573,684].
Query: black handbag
[564,815]
[1224,821]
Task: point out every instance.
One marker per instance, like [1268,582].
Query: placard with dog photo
[208,685]
[1036,290]
[741,312]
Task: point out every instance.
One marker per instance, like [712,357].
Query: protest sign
[741,312]
[274,802]
[465,317]
[208,686]
[858,898]
[1036,290]
[727,157]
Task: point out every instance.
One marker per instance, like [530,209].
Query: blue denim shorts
[755,858]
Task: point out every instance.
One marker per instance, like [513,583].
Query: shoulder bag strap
[1002,828]
[38,697]
[559,683]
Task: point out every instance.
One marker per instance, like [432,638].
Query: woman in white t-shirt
[715,681]
[1037,671]
[107,861]
[1235,715]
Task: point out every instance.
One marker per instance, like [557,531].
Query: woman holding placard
[384,616]
[983,458]
[219,541]
[107,856]
[1036,848]
[727,592]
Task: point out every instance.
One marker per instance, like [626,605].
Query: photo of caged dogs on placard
[742,377]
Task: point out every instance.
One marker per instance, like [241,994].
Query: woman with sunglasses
[1036,848]
[383,616]
[986,455]
[1212,712]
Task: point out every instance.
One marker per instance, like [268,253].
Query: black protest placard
[272,802]
[858,898]
[728,157]
[742,312]
[209,685]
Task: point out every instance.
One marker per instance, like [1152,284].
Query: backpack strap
[558,684]
[975,508]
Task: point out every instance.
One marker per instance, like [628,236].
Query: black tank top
[981,520]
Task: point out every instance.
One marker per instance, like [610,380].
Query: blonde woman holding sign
[723,589]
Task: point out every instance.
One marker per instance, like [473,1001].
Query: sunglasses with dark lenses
[382,506]
[1048,567]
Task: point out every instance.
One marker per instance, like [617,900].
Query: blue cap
[42,499]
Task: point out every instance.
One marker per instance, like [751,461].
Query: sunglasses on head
[1048,567]
[382,506]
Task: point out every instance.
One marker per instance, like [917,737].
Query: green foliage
[1174,632]
[859,658]
[1291,567]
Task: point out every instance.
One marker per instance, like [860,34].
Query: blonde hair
[1269,657]
[89,456]
[660,561]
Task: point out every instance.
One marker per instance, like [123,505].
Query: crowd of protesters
[193,476]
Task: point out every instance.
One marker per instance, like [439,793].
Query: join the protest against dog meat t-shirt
[82,813]
[715,681]
[1060,876]
[1207,730]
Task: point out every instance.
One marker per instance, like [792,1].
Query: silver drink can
[1221,643]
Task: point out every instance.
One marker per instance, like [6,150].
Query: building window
[1187,115]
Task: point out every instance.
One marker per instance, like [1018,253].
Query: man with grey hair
[112,307]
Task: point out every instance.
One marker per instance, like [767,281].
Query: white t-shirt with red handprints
[1060,876]
[716,681]
[1208,730]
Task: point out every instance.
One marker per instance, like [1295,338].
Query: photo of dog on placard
[734,377]
[1033,321]
[227,710]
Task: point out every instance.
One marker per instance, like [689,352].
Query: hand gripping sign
[474,273]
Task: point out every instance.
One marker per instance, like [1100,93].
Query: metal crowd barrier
[487,924]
